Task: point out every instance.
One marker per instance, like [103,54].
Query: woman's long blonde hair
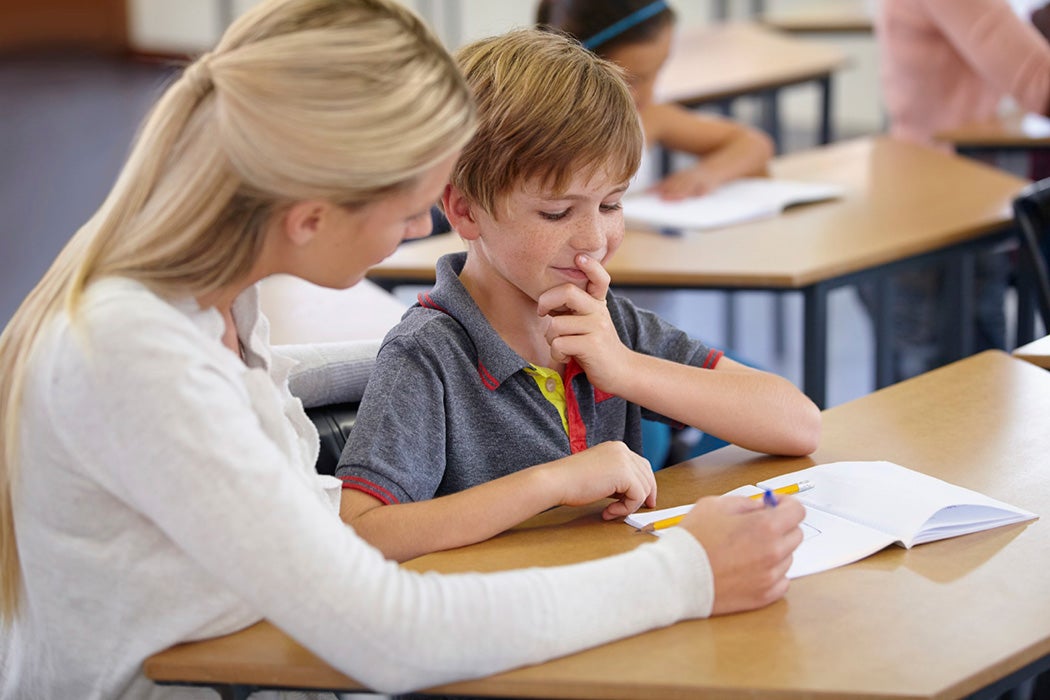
[345,100]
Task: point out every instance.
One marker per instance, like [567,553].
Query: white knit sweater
[167,493]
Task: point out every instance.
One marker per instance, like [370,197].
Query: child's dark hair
[604,25]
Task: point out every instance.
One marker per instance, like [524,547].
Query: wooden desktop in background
[1012,131]
[718,63]
[942,620]
[821,17]
[714,62]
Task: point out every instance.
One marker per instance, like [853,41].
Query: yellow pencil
[803,485]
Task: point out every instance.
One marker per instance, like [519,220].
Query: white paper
[742,200]
[858,508]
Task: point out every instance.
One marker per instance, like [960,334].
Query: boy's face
[534,242]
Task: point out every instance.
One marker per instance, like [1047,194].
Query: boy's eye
[615,206]
[554,215]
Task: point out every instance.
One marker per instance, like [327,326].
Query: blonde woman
[157,479]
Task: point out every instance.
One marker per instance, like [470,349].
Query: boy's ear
[304,221]
[459,212]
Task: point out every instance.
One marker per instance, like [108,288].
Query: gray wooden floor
[66,122]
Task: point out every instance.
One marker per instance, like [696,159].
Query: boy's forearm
[753,409]
[407,530]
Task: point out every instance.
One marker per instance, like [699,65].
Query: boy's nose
[590,238]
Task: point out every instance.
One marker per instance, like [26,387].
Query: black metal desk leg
[882,329]
[959,290]
[771,118]
[826,134]
[815,343]
[1026,286]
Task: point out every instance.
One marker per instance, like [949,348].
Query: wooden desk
[821,17]
[1037,352]
[718,63]
[903,203]
[942,620]
[1002,133]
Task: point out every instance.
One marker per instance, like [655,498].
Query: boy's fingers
[598,278]
[566,299]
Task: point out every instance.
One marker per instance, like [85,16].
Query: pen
[769,496]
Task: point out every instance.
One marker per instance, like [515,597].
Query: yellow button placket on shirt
[552,388]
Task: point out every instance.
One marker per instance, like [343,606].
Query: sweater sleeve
[328,373]
[1005,50]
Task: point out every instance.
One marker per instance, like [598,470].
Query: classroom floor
[66,122]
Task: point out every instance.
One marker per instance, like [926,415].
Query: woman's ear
[304,220]
[460,213]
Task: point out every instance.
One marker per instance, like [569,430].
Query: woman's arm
[1007,51]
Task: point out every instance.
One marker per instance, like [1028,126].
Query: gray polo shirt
[449,404]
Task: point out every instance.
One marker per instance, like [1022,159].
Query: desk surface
[1003,131]
[1037,352]
[721,61]
[941,620]
[901,201]
[821,17]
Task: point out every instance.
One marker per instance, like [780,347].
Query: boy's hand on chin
[581,327]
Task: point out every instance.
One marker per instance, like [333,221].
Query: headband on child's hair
[617,28]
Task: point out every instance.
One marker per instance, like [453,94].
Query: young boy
[515,384]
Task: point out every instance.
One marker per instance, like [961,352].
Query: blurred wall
[190,26]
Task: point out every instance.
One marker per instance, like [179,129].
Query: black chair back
[1032,210]
[334,423]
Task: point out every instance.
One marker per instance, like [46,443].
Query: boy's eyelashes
[559,215]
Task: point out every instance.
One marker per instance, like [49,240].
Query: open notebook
[857,508]
[735,202]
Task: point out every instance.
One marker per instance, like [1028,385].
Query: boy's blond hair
[548,110]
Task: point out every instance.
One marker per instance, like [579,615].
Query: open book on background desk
[854,509]
[735,202]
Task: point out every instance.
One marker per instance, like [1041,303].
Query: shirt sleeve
[396,451]
[171,433]
[649,334]
[1007,51]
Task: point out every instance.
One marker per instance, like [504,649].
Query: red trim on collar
[577,429]
[365,486]
[490,382]
[426,301]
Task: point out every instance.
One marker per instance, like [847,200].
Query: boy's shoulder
[423,329]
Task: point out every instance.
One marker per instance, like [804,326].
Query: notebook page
[736,202]
[898,501]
